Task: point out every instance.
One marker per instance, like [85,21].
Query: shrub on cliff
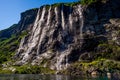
[88,2]
[8,46]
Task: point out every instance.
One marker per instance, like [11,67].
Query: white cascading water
[33,30]
[61,56]
[41,30]
[23,40]
[35,24]
[63,19]
[56,14]
[21,47]
[49,13]
[34,38]
[66,61]
[82,21]
[62,60]
[70,18]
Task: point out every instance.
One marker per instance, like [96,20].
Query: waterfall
[48,19]
[44,26]
[70,18]
[41,30]
[82,21]
[66,61]
[63,19]
[34,37]
[35,24]
[57,65]
[22,43]
[35,31]
[56,14]
[21,46]
[25,54]
[62,60]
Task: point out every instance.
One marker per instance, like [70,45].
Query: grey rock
[68,35]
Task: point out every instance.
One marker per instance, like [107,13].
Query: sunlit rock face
[61,35]
[57,31]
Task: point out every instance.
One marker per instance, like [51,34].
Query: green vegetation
[29,69]
[6,33]
[105,57]
[88,2]
[72,4]
[26,69]
[57,4]
[83,2]
[66,4]
[5,71]
[8,46]
[109,51]
[103,65]
[32,9]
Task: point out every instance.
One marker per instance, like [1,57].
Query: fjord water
[50,77]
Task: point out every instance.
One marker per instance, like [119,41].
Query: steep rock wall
[63,34]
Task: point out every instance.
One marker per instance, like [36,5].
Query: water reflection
[49,77]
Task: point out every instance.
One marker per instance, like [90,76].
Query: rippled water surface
[50,77]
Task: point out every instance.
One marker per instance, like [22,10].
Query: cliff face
[10,38]
[61,35]
[53,37]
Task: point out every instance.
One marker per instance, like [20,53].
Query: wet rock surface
[58,38]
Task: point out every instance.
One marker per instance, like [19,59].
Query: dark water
[50,77]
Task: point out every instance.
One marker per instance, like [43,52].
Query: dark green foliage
[102,65]
[66,4]
[8,46]
[110,51]
[6,33]
[29,69]
[72,4]
[83,2]
[88,2]
[33,9]
[26,69]
[57,4]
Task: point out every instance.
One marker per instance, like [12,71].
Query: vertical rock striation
[61,35]
[55,34]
